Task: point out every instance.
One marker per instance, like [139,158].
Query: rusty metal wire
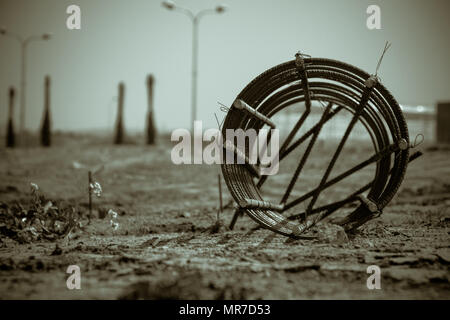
[345,87]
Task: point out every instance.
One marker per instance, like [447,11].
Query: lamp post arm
[203,13]
[185,11]
[13,36]
[30,39]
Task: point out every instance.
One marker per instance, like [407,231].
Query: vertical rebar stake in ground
[90,194]
[220,197]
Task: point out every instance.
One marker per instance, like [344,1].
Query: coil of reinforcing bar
[343,87]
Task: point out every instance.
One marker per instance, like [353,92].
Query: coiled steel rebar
[343,86]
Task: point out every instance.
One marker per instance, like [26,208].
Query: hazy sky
[124,40]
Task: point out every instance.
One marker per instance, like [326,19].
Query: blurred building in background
[443,122]
[420,119]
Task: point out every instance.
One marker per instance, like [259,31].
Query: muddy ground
[166,246]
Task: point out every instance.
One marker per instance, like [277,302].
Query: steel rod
[372,159]
[241,105]
[362,104]
[300,140]
[258,204]
[305,156]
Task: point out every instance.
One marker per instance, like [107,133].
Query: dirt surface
[168,245]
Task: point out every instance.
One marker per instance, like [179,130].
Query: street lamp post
[23,51]
[195,18]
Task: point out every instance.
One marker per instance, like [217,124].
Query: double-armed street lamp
[195,18]
[23,46]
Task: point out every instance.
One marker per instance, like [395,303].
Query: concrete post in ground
[120,132]
[46,122]
[151,130]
